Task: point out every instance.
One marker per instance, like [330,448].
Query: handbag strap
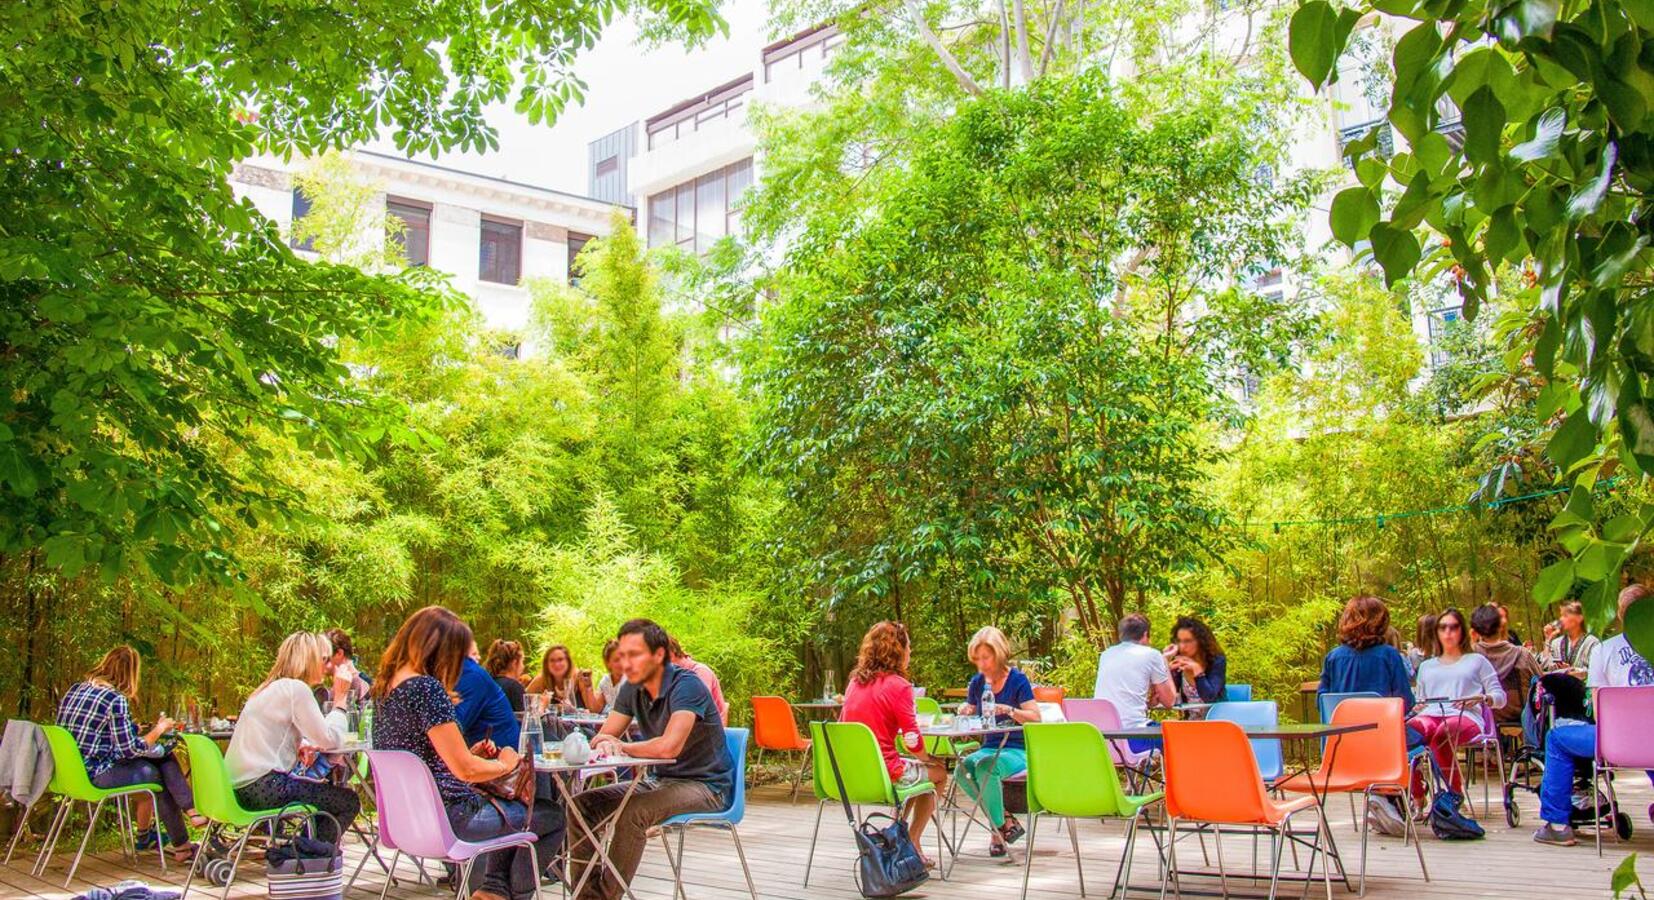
[832,760]
[309,821]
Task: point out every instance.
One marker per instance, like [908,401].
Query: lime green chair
[215,799]
[72,785]
[941,746]
[866,780]
[1071,775]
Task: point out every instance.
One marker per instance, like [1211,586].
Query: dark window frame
[498,273]
[422,211]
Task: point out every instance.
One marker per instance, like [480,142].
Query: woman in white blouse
[280,713]
[1452,688]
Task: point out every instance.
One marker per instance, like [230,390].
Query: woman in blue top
[980,773]
[1364,660]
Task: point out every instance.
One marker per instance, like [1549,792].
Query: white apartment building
[684,167]
[489,234]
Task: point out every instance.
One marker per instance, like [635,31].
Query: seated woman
[1199,668]
[613,678]
[414,711]
[505,663]
[1568,643]
[1365,660]
[97,711]
[880,696]
[1451,687]
[982,772]
[564,683]
[280,713]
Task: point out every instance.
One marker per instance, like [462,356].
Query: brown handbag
[517,784]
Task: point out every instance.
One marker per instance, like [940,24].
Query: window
[608,166]
[416,230]
[696,214]
[501,252]
[725,102]
[577,242]
[301,208]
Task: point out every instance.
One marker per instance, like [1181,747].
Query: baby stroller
[1553,696]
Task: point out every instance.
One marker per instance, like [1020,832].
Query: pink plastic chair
[1623,714]
[1489,749]
[1102,714]
[413,821]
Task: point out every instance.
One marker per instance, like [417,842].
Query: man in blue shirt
[483,711]
[679,721]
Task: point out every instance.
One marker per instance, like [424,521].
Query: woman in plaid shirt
[98,712]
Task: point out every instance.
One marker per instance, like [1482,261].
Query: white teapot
[576,749]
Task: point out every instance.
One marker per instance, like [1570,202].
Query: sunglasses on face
[1447,626]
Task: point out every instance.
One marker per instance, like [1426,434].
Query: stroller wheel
[1622,826]
[1513,814]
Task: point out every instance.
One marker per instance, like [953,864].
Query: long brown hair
[559,690]
[883,651]
[119,669]
[432,642]
[1466,642]
[1425,639]
[1364,623]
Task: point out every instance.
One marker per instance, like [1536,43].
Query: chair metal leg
[1223,874]
[235,858]
[814,835]
[1277,841]
[195,861]
[741,854]
[1079,862]
[534,860]
[17,833]
[49,841]
[1413,830]
[122,826]
[395,855]
[91,825]
[1596,803]
[1028,854]
[1171,858]
[798,777]
[1324,833]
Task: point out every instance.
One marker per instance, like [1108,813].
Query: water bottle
[532,739]
[827,686]
[353,717]
[987,709]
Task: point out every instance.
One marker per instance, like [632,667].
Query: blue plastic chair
[736,740]
[1262,713]
[1237,693]
[1326,703]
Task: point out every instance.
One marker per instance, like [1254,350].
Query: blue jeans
[173,799]
[510,872]
[1566,747]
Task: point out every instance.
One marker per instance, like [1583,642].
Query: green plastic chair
[941,746]
[215,799]
[1071,775]
[866,780]
[72,785]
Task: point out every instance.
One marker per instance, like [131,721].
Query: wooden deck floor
[776,835]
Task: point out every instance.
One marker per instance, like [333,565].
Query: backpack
[1447,823]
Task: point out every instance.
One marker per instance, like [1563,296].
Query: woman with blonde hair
[880,696]
[567,684]
[414,693]
[981,774]
[280,724]
[97,711]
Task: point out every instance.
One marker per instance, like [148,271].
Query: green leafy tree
[1552,175]
[146,315]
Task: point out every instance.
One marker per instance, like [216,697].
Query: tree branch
[1050,39]
[959,74]
[1025,62]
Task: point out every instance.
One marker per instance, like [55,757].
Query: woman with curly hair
[880,696]
[1199,668]
[1364,660]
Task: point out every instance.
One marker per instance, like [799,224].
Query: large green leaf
[1639,627]
[1554,582]
[1576,438]
[1484,124]
[1354,212]
[1313,40]
[1396,250]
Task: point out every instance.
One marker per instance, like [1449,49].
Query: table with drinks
[564,773]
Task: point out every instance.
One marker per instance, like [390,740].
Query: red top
[886,706]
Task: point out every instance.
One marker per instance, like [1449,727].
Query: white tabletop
[953,730]
[542,764]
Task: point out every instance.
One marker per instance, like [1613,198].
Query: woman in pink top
[880,697]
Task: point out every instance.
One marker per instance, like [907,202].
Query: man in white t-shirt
[1614,664]
[1133,675]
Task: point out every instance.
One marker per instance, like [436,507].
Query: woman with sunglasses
[1451,688]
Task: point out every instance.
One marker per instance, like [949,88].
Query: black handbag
[1446,822]
[887,864]
[301,867]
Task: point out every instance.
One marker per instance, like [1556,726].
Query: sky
[624,83]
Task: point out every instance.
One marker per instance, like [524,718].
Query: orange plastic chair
[1212,778]
[1049,694]
[774,728]
[1367,763]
